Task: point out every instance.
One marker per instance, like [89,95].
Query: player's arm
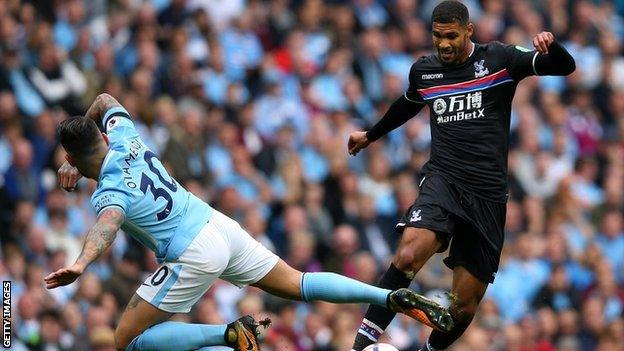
[548,59]
[552,58]
[100,105]
[99,238]
[401,110]
[68,175]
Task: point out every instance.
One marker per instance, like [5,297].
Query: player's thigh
[482,246]
[138,316]
[417,245]
[283,281]
[467,291]
[177,285]
[249,260]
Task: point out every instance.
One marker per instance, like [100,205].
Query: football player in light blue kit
[194,243]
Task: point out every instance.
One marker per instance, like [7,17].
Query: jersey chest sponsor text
[464,100]
[459,107]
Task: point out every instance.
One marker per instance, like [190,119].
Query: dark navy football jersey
[470,107]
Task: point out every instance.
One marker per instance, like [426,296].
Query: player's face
[451,40]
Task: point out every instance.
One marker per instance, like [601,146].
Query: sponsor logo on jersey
[480,69]
[459,107]
[432,76]
[439,106]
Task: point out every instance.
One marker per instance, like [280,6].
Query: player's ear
[105,137]
[70,159]
[469,29]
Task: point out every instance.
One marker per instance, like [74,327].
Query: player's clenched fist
[542,41]
[68,176]
[357,142]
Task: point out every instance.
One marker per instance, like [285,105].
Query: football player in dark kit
[463,188]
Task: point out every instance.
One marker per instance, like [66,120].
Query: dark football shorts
[474,227]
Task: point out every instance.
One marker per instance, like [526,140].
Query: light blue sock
[336,288]
[178,336]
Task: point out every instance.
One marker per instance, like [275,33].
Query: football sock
[377,318]
[332,287]
[440,340]
[168,336]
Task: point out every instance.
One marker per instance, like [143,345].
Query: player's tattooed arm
[102,103]
[101,235]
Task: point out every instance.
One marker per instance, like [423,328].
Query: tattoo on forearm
[101,236]
[101,104]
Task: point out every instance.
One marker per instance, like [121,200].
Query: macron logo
[432,76]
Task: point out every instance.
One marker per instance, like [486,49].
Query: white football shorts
[222,249]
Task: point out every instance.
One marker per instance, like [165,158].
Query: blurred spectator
[14,77]
[557,294]
[51,333]
[22,180]
[611,240]
[58,80]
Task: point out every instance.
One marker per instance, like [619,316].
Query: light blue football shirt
[160,213]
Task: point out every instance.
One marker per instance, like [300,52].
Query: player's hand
[357,142]
[542,41]
[68,176]
[64,276]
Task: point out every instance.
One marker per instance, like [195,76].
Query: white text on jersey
[432,76]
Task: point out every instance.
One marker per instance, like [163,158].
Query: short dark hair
[79,135]
[450,11]
[51,313]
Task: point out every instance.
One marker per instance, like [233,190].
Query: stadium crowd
[249,104]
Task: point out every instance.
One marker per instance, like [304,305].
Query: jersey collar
[472,50]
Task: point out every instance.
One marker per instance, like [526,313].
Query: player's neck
[467,53]
[94,167]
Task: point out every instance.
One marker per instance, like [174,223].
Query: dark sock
[441,341]
[377,318]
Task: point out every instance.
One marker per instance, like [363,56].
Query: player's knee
[404,259]
[416,246]
[409,258]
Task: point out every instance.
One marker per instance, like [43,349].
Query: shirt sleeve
[118,126]
[520,61]
[110,193]
[115,186]
[110,197]
[412,93]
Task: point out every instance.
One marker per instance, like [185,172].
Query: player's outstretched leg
[468,292]
[287,282]
[143,327]
[416,247]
